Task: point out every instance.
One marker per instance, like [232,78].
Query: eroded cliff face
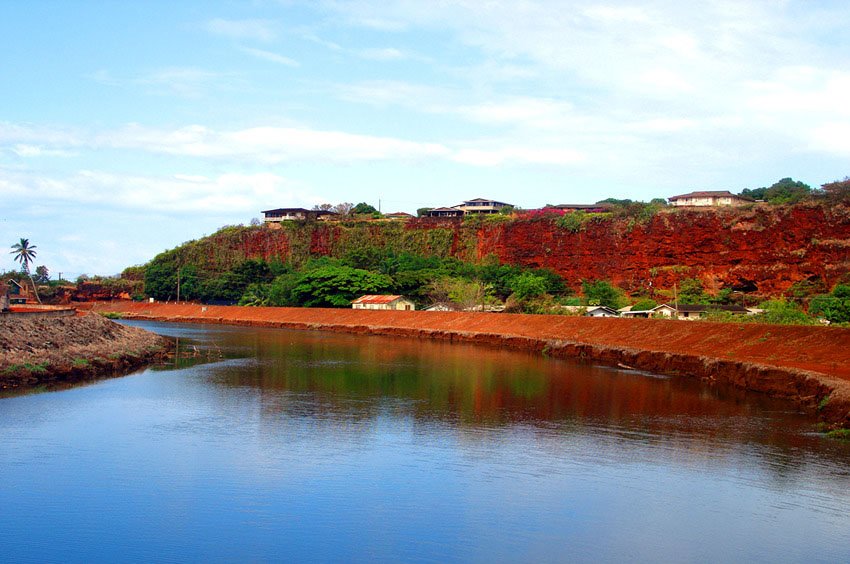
[763,250]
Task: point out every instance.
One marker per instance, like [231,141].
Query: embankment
[808,365]
[43,349]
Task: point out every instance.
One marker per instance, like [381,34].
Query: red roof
[709,194]
[373,299]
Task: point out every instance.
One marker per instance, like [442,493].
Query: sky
[127,128]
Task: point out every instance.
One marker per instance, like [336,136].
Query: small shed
[600,311]
[371,301]
[15,293]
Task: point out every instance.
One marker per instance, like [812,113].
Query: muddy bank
[808,365]
[48,350]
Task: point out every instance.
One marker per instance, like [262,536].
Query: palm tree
[24,254]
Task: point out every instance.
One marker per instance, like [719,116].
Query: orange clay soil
[810,364]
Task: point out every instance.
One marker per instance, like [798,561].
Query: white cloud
[257,29]
[180,194]
[384,54]
[268,145]
[24,150]
[186,82]
[519,155]
[270,56]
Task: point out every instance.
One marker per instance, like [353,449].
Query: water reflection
[336,379]
[265,444]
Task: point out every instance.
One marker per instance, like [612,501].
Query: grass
[823,403]
[39,368]
[112,315]
[843,434]
[81,363]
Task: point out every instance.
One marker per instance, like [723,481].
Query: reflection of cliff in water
[343,378]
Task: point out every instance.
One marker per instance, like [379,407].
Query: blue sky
[127,128]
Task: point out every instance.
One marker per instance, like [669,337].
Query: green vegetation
[843,434]
[601,292]
[81,363]
[112,315]
[785,191]
[39,368]
[366,258]
[834,306]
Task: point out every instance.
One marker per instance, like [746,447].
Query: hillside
[764,250]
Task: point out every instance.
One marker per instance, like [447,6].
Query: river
[271,444]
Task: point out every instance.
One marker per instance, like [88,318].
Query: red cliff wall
[765,249]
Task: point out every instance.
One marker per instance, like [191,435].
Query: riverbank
[41,350]
[808,365]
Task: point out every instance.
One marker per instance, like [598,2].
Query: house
[383,302]
[629,312]
[294,214]
[445,212]
[696,311]
[14,292]
[709,198]
[591,311]
[600,311]
[481,205]
[398,215]
[441,307]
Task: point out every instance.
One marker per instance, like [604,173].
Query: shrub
[601,292]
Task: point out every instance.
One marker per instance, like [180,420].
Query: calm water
[283,445]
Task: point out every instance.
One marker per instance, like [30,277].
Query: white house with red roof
[370,301]
[709,198]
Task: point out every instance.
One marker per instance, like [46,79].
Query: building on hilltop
[709,198]
[476,205]
[696,311]
[481,205]
[398,215]
[14,292]
[445,212]
[295,214]
[371,301]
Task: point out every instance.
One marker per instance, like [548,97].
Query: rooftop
[375,299]
[708,194]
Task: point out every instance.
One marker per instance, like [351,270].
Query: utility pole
[675,299]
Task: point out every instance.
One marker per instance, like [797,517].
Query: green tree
[337,286]
[691,291]
[784,191]
[363,208]
[834,306]
[644,304]
[281,290]
[421,212]
[25,254]
[787,191]
[529,285]
[463,293]
[782,312]
[42,275]
[602,292]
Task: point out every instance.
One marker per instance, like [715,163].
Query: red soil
[806,364]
